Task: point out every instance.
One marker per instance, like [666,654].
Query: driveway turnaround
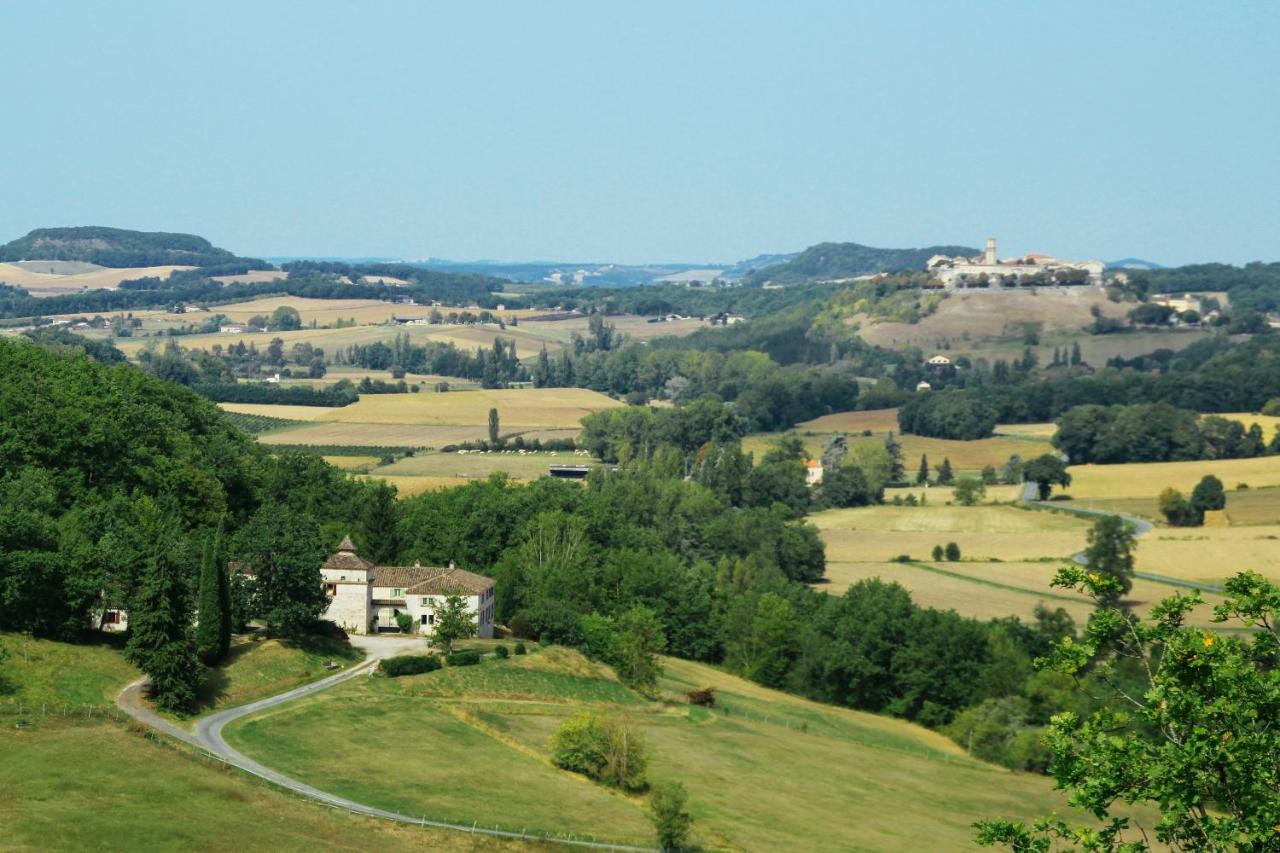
[208,736]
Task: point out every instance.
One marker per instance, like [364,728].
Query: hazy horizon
[689,133]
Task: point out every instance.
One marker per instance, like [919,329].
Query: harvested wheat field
[520,408]
[99,278]
[273,410]
[1042,431]
[1210,554]
[991,590]
[876,420]
[331,340]
[477,465]
[880,533]
[1151,478]
[338,434]
[946,494]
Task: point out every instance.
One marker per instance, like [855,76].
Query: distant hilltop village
[987,270]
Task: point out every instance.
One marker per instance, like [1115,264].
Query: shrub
[502,652]
[463,658]
[952,551]
[901,558]
[408,665]
[404,622]
[937,553]
[520,649]
[601,748]
[706,697]
[671,822]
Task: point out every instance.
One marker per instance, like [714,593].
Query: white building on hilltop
[986,270]
[369,599]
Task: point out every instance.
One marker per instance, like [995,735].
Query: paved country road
[208,736]
[1141,527]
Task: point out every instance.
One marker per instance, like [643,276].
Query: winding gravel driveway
[208,737]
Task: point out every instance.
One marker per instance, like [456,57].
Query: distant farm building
[812,472]
[569,472]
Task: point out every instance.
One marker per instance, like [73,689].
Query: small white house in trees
[368,599]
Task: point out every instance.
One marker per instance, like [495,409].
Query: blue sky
[692,131]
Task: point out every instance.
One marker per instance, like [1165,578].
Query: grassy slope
[67,783]
[75,785]
[263,668]
[40,672]
[774,772]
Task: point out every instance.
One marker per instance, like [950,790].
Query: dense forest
[117,247]
[1214,375]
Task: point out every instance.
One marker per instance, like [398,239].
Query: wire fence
[22,709]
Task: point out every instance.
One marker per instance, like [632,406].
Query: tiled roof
[430,580]
[452,582]
[347,561]
[420,580]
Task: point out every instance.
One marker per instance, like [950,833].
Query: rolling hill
[830,261]
[115,247]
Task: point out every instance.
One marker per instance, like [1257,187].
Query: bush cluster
[603,748]
[469,658]
[409,665]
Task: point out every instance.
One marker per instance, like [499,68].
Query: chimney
[991,251]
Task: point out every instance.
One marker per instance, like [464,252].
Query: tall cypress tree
[945,475]
[160,642]
[209,612]
[224,597]
[923,476]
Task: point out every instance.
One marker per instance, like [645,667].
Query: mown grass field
[880,533]
[868,782]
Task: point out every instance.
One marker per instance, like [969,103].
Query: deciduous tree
[1197,740]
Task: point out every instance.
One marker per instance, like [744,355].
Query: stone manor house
[368,599]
